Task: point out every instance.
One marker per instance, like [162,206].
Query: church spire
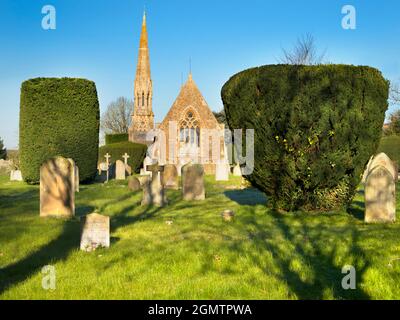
[143,116]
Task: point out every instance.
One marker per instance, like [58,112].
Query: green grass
[391,146]
[261,255]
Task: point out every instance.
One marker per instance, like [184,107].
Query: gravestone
[170,179]
[95,232]
[133,184]
[222,171]
[147,162]
[75,174]
[16,175]
[381,160]
[193,182]
[57,196]
[120,173]
[107,156]
[153,190]
[380,196]
[237,172]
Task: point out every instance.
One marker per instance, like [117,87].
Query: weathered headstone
[95,232]
[57,195]
[120,173]
[380,196]
[381,160]
[153,190]
[222,171]
[133,184]
[170,179]
[75,174]
[237,172]
[193,182]
[16,175]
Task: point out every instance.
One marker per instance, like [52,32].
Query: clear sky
[98,40]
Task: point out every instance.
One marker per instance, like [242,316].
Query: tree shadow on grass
[249,196]
[59,248]
[316,246]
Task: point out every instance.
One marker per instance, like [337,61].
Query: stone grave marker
[222,171]
[95,232]
[380,196]
[120,172]
[133,184]
[16,175]
[193,182]
[57,195]
[170,179]
[153,190]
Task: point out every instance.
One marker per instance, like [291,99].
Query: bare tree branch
[303,53]
[117,118]
[394,96]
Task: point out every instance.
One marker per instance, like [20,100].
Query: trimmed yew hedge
[136,152]
[116,137]
[58,117]
[315,129]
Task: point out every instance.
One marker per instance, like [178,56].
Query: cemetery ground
[186,250]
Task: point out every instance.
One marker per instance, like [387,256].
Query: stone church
[186,127]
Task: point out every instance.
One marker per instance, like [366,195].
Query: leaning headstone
[381,160]
[120,170]
[222,172]
[133,184]
[170,179]
[95,232]
[57,195]
[153,190]
[16,175]
[193,182]
[380,196]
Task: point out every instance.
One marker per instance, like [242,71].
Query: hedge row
[58,117]
[116,137]
[136,152]
[391,146]
[315,129]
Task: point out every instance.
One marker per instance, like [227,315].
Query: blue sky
[98,40]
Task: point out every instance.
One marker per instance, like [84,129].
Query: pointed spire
[143,37]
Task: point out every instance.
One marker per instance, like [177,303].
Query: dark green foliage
[391,146]
[59,117]
[136,152]
[315,129]
[116,137]
[3,151]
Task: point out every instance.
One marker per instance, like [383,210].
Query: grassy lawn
[261,255]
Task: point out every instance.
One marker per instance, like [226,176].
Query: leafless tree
[394,93]
[117,117]
[303,53]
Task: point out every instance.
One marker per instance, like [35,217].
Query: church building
[187,125]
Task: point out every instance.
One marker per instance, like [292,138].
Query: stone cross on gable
[126,157]
[107,156]
[154,169]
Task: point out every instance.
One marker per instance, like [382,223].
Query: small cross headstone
[126,157]
[95,232]
[153,191]
[107,156]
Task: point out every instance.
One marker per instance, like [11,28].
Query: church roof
[190,98]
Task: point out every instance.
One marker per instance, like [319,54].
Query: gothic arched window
[189,129]
[142,99]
